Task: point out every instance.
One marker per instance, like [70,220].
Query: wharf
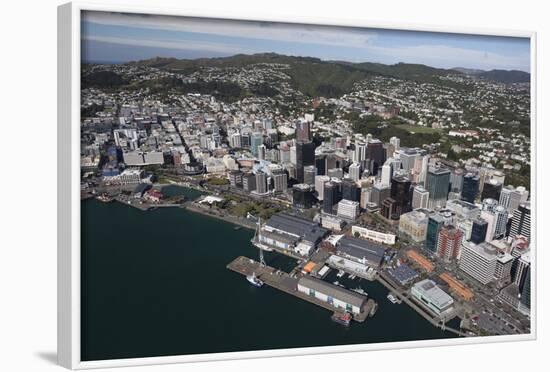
[403,296]
[286,283]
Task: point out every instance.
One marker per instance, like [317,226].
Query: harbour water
[155,283]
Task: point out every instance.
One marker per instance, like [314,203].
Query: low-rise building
[339,298]
[432,297]
[377,236]
[363,251]
[414,224]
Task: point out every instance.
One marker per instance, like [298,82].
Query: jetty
[289,284]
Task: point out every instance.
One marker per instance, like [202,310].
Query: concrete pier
[284,282]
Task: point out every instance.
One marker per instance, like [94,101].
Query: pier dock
[285,282]
[403,296]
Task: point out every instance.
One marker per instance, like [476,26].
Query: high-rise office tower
[377,154]
[330,197]
[489,205]
[457,177]
[261,152]
[491,219]
[395,142]
[302,196]
[245,140]
[386,175]
[303,131]
[525,298]
[511,197]
[249,182]
[491,189]
[284,153]
[309,174]
[350,190]
[236,178]
[388,209]
[379,193]
[449,242]
[408,158]
[420,197]
[321,164]
[479,231]
[438,186]
[255,141]
[521,221]
[305,155]
[320,185]
[360,153]
[261,183]
[501,215]
[435,223]
[355,171]
[400,192]
[470,187]
[479,261]
[280,181]
[235,140]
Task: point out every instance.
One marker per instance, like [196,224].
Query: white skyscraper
[293,155]
[319,185]
[360,153]
[261,152]
[420,197]
[386,176]
[355,171]
[511,197]
[395,142]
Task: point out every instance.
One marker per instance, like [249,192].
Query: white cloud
[323,35]
[180,44]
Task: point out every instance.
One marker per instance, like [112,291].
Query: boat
[360,291]
[236,228]
[340,273]
[373,309]
[392,298]
[336,283]
[352,276]
[253,279]
[105,198]
[342,318]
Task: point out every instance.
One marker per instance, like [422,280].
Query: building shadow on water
[48,356]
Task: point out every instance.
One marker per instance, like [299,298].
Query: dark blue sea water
[155,283]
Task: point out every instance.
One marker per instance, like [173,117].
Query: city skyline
[118,38]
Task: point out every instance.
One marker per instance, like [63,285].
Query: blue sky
[115,37]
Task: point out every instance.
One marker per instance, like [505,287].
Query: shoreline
[192,207]
[230,219]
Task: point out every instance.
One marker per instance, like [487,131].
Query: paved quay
[284,282]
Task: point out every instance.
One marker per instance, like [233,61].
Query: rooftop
[360,248]
[333,291]
[294,225]
[436,295]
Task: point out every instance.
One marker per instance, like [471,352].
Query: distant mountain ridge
[501,76]
[316,77]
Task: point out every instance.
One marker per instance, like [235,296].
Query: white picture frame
[69,65]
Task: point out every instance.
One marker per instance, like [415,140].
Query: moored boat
[253,279]
[342,318]
[392,298]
